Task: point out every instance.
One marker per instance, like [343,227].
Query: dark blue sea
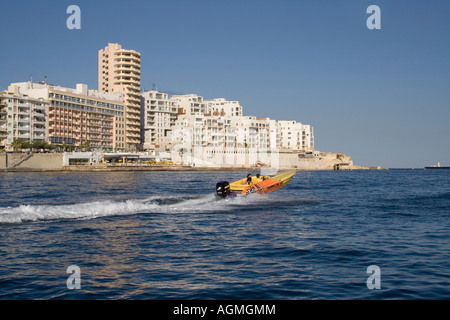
[164,235]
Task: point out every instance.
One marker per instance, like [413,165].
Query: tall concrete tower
[119,70]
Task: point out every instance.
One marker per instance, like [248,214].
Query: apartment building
[158,115]
[296,136]
[119,71]
[159,112]
[308,137]
[202,140]
[222,107]
[21,117]
[208,140]
[3,121]
[190,104]
[77,116]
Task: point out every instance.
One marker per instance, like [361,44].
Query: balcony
[127,73]
[98,117]
[133,125]
[133,116]
[135,71]
[136,108]
[133,141]
[119,62]
[126,81]
[39,121]
[39,136]
[91,131]
[133,91]
[133,99]
[127,56]
[133,135]
[39,108]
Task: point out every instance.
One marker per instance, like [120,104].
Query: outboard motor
[223,189]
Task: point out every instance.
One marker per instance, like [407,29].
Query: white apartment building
[257,133]
[208,140]
[296,136]
[190,104]
[222,107]
[201,140]
[214,132]
[308,137]
[21,117]
[158,115]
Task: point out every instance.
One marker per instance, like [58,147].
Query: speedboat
[265,184]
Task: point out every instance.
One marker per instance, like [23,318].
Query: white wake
[89,210]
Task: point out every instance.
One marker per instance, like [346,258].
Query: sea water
[164,235]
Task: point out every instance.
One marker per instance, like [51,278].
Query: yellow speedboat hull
[283,177]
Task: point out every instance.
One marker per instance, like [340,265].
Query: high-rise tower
[119,70]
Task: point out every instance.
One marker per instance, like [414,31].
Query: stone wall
[12,159]
[287,161]
[325,161]
[50,161]
[2,161]
[44,161]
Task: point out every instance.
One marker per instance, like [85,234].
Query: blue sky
[381,96]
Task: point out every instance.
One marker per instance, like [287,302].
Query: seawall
[31,162]
[323,161]
[12,162]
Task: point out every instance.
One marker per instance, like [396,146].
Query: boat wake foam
[155,204]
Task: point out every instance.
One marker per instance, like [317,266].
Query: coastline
[166,168]
[58,162]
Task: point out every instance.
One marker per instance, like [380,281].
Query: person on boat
[248,180]
[261,178]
